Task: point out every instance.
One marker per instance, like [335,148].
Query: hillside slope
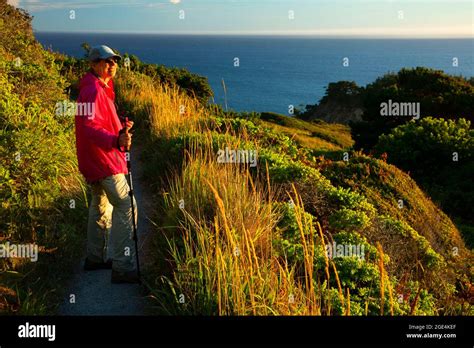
[282,213]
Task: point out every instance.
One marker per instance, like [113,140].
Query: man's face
[106,68]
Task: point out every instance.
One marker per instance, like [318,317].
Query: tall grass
[226,259]
[166,109]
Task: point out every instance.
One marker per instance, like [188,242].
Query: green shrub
[440,95]
[428,150]
[348,219]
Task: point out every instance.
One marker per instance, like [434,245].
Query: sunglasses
[111,61]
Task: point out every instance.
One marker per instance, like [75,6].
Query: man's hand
[125,139]
[129,124]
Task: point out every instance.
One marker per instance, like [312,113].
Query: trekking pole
[130,184]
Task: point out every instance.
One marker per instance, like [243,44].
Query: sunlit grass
[226,264]
[222,252]
[304,137]
[168,110]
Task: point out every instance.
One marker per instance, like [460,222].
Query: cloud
[155,5]
[175,2]
[43,5]
[15,3]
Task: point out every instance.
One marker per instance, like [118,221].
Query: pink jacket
[97,130]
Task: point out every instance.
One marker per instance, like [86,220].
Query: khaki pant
[110,229]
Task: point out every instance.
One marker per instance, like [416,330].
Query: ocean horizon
[270,73]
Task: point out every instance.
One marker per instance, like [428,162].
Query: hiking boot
[130,277]
[92,266]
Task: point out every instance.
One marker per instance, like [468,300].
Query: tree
[438,94]
[87,49]
[344,94]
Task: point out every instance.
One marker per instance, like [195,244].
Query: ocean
[276,72]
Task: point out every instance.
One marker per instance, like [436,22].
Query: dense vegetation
[440,95]
[42,195]
[435,149]
[442,159]
[245,240]
[342,103]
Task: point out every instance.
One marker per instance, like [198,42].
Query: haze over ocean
[277,71]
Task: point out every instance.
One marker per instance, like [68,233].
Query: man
[100,142]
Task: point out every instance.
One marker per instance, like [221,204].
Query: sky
[346,18]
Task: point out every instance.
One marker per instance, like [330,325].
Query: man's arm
[93,124]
